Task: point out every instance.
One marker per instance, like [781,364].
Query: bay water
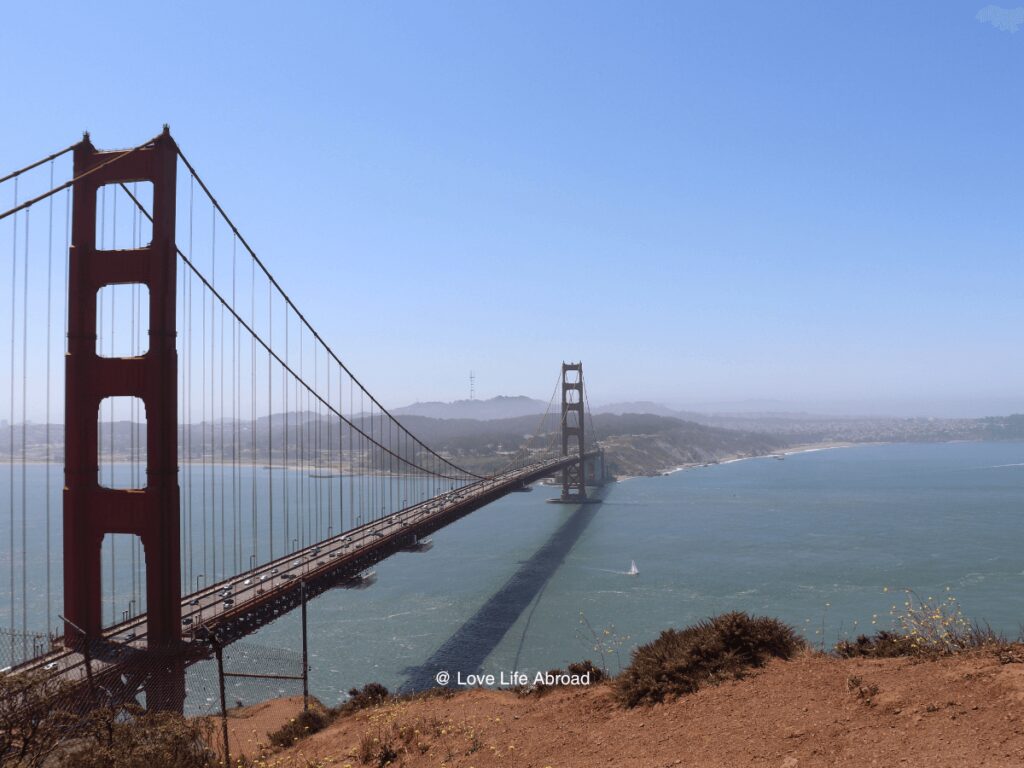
[824,540]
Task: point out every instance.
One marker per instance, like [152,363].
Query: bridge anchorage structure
[263,472]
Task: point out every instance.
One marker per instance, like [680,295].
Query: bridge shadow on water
[466,650]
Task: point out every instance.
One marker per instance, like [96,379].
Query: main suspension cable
[299,314]
[67,184]
[37,163]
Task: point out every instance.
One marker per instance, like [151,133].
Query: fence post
[86,657]
[305,653]
[218,649]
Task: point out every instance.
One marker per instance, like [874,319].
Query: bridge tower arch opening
[92,511]
[124,594]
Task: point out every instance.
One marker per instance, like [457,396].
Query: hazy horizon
[840,409]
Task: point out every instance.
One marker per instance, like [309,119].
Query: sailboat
[632,569]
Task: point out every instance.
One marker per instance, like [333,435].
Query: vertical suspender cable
[101,346]
[67,269]
[286,473]
[213,420]
[383,457]
[113,484]
[299,517]
[49,339]
[179,300]
[206,573]
[363,468]
[24,436]
[236,488]
[391,469]
[270,417]
[319,445]
[303,428]
[188,398]
[253,501]
[344,460]
[223,457]
[133,416]
[373,450]
[10,423]
[351,460]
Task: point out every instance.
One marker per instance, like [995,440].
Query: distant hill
[638,406]
[501,407]
[637,444]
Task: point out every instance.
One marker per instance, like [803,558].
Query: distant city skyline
[813,205]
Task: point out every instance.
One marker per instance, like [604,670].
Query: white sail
[632,568]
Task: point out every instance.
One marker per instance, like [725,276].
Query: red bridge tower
[90,510]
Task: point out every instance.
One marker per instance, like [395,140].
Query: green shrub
[717,649]
[881,645]
[370,695]
[587,666]
[306,723]
[130,738]
[33,720]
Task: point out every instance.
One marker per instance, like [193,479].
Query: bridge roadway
[242,604]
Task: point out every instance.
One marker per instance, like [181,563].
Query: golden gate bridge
[221,464]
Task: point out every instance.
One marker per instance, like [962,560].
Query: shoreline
[733,458]
[335,472]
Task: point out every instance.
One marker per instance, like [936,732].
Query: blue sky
[816,204]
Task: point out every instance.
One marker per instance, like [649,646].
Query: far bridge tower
[574,488]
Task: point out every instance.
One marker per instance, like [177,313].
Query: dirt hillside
[812,711]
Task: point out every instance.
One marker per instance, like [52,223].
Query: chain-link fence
[17,647]
[79,710]
[263,692]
